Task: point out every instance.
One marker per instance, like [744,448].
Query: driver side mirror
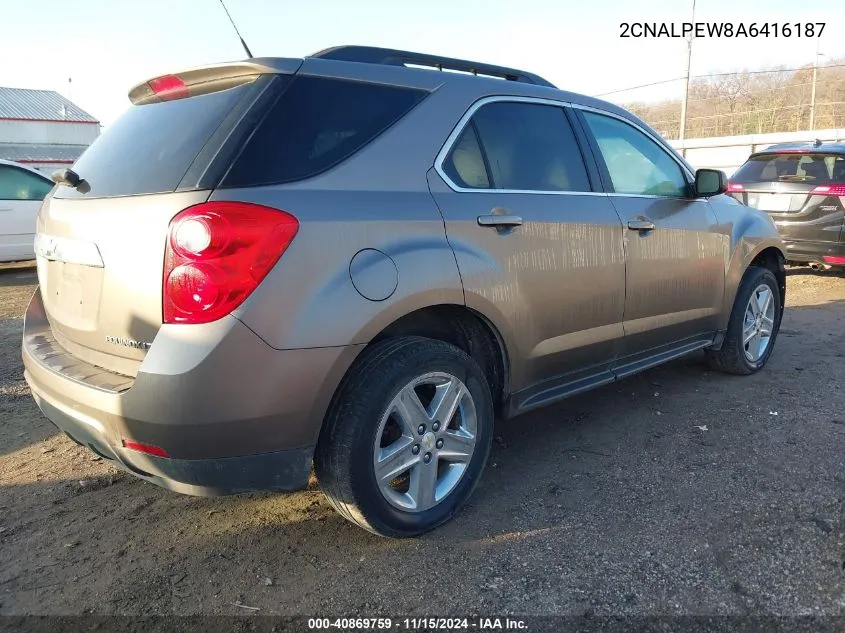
[710,182]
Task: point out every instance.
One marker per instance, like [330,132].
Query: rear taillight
[217,253]
[734,187]
[829,190]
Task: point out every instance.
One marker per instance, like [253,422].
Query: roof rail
[391,57]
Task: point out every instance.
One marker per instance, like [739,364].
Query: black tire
[731,357]
[344,455]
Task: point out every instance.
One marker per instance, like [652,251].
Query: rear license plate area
[775,203]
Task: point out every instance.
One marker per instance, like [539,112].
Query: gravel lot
[679,491]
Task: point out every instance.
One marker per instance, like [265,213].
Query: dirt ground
[679,491]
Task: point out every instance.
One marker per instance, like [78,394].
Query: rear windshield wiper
[796,178]
[70,178]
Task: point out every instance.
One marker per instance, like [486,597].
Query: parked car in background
[802,186]
[346,261]
[21,191]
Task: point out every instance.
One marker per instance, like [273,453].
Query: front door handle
[641,225]
[499,218]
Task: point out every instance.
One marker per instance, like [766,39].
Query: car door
[538,249]
[675,276]
[21,193]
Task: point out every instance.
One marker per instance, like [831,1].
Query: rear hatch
[802,189]
[100,246]
[789,181]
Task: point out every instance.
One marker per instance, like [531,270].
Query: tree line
[753,102]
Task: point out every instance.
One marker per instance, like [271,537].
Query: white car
[21,191]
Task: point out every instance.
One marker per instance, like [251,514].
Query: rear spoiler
[196,81]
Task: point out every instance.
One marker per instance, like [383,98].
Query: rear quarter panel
[747,232]
[309,298]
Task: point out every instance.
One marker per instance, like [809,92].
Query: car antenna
[817,143]
[235,26]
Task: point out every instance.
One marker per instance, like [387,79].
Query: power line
[656,83]
[763,72]
[744,72]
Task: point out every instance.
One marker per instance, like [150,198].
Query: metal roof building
[43,129]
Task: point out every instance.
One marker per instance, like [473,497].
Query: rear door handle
[499,220]
[641,225]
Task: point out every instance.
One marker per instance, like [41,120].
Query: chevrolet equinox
[355,261]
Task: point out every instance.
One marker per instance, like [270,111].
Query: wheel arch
[773,259]
[467,330]
[452,323]
[754,241]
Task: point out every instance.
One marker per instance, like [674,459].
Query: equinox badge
[127,342]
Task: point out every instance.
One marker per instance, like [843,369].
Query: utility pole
[686,85]
[813,91]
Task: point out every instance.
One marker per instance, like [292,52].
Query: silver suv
[357,261]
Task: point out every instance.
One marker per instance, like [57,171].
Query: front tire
[406,437]
[753,326]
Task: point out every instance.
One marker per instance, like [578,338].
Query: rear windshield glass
[818,169]
[316,124]
[150,147]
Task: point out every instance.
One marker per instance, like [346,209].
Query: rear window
[315,124]
[150,148]
[818,169]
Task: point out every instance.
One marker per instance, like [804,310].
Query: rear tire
[388,465]
[752,331]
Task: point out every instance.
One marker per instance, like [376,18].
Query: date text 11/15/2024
[418,624]
[721,29]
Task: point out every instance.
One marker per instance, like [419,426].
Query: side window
[528,147]
[637,164]
[17,184]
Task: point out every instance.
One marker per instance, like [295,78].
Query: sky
[107,46]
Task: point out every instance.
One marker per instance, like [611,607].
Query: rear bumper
[278,470]
[805,251]
[233,414]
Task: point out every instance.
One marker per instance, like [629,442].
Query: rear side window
[817,169]
[19,184]
[465,164]
[315,124]
[527,147]
[150,148]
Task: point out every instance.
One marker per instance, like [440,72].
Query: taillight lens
[217,253]
[735,187]
[829,190]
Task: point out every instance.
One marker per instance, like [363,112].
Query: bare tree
[746,102]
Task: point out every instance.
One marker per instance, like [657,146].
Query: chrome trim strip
[68,250]
[643,195]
